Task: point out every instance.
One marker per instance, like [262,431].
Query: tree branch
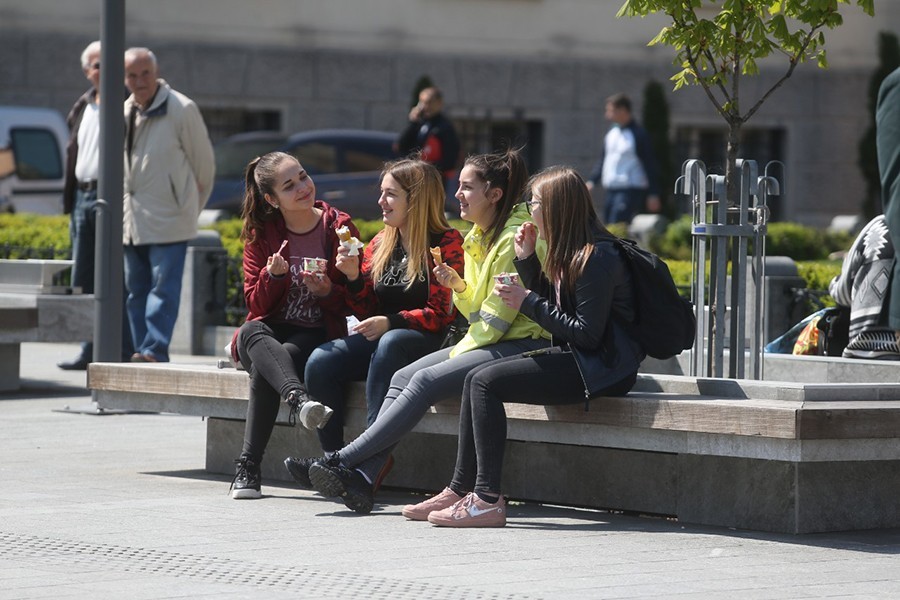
[719,108]
[794,60]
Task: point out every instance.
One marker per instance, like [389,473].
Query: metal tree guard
[720,236]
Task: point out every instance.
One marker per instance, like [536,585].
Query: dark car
[345,165]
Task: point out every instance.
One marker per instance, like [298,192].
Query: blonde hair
[425,202]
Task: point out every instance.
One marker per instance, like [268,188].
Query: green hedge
[34,236]
[21,234]
[800,242]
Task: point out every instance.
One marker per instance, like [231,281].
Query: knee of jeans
[321,365]
[392,343]
[248,330]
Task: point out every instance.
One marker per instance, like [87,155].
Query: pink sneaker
[471,511]
[420,511]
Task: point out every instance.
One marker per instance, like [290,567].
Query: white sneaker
[314,415]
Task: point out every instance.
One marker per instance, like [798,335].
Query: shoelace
[241,471]
[294,403]
[295,399]
[463,504]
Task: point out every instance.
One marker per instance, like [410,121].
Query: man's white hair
[136,52]
[92,48]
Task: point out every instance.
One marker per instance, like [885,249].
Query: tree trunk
[732,178]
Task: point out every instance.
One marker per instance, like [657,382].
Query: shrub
[34,236]
[676,242]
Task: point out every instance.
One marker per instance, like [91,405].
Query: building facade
[512,71]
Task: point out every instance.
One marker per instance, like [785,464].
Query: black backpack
[664,323]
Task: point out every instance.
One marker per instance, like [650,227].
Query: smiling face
[293,188]
[477,200]
[394,202]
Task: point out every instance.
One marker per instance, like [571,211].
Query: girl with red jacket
[404,311]
[296,298]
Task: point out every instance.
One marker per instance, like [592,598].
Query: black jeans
[273,356]
[544,379]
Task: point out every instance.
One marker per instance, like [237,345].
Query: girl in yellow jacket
[490,196]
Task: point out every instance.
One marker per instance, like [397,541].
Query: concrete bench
[771,456]
[29,317]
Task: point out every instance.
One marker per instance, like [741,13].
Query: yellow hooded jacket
[491,321]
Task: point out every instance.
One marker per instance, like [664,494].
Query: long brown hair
[570,222]
[507,172]
[259,180]
[425,203]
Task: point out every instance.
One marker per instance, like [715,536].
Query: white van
[32,159]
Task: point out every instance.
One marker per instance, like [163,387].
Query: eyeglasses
[532,205]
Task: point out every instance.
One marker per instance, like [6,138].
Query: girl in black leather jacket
[581,295]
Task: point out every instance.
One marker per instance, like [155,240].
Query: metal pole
[108,272]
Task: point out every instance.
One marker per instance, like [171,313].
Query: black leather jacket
[603,350]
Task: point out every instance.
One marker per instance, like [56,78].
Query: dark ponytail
[507,172]
[259,179]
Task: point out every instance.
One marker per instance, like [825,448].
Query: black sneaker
[299,469]
[332,480]
[246,482]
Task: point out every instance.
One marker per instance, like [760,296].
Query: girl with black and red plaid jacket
[403,310]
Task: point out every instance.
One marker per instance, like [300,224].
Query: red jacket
[438,311]
[265,295]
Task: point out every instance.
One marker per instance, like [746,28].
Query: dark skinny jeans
[273,356]
[545,379]
[354,358]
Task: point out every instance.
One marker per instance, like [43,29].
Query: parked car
[32,171]
[345,165]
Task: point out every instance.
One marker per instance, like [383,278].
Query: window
[482,135]
[316,157]
[224,122]
[709,145]
[37,154]
[367,153]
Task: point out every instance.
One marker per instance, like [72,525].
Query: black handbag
[455,331]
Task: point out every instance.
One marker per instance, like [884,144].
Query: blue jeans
[82,231]
[354,358]
[153,277]
[622,205]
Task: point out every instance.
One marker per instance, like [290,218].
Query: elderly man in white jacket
[169,171]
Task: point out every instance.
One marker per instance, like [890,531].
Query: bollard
[202,294]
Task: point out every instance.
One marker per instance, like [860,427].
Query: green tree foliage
[888,60]
[717,42]
[655,119]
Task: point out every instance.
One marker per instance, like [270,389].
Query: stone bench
[771,456]
[29,317]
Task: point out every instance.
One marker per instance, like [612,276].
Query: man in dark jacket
[431,133]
